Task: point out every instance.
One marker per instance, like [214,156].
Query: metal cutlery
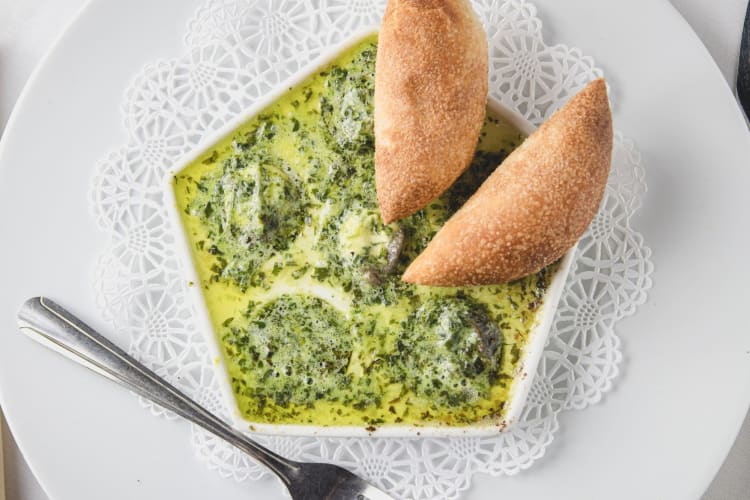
[47,322]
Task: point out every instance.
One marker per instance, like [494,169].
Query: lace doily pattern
[236,50]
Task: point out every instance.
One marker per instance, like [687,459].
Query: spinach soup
[302,279]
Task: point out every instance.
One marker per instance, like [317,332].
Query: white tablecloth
[29,27]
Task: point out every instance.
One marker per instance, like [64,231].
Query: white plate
[662,433]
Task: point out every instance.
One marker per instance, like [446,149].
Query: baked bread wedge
[534,206]
[430,97]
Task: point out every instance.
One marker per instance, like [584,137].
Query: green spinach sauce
[302,278]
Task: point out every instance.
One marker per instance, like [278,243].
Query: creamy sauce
[302,278]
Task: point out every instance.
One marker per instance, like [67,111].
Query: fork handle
[47,322]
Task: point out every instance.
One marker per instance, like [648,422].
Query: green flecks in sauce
[302,279]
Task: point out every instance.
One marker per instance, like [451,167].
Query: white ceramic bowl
[529,358]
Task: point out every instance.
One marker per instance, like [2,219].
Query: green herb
[304,278]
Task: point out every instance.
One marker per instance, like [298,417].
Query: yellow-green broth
[302,279]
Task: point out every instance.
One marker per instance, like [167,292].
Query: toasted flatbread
[430,97]
[534,206]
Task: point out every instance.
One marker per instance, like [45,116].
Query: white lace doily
[236,50]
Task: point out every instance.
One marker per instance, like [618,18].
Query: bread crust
[533,208]
[430,97]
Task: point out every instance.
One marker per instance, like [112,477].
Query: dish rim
[530,357]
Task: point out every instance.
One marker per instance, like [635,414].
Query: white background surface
[29,27]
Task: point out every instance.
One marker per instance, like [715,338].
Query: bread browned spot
[430,96]
[533,207]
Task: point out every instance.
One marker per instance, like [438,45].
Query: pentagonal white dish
[530,356]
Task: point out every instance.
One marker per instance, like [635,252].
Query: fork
[47,322]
